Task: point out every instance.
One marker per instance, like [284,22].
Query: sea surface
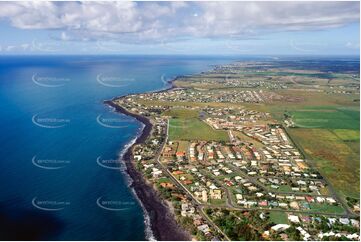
[60,177]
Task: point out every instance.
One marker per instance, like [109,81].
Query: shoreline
[162,221]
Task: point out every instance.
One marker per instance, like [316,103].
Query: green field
[337,158]
[278,217]
[347,135]
[330,137]
[326,208]
[285,188]
[182,146]
[327,117]
[164,179]
[182,113]
[185,125]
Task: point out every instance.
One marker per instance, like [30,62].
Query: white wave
[127,177]
[127,147]
[149,235]
[129,181]
[148,228]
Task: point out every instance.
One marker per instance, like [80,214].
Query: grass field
[285,188]
[246,138]
[182,146]
[278,217]
[347,135]
[327,117]
[326,208]
[185,125]
[337,158]
[164,179]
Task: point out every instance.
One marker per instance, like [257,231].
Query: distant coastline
[162,221]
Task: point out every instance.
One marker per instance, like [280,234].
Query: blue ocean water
[59,143]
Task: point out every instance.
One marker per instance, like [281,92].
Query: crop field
[327,117]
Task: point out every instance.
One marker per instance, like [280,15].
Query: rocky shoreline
[163,223]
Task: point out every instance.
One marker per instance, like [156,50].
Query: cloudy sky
[240,28]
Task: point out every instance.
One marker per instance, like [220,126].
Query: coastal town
[247,168]
[180,120]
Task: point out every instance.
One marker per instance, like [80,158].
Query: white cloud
[164,21]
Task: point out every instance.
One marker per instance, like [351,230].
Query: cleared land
[186,125]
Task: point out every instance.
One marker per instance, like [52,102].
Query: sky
[184,28]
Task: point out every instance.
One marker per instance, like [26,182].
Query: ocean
[60,174]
